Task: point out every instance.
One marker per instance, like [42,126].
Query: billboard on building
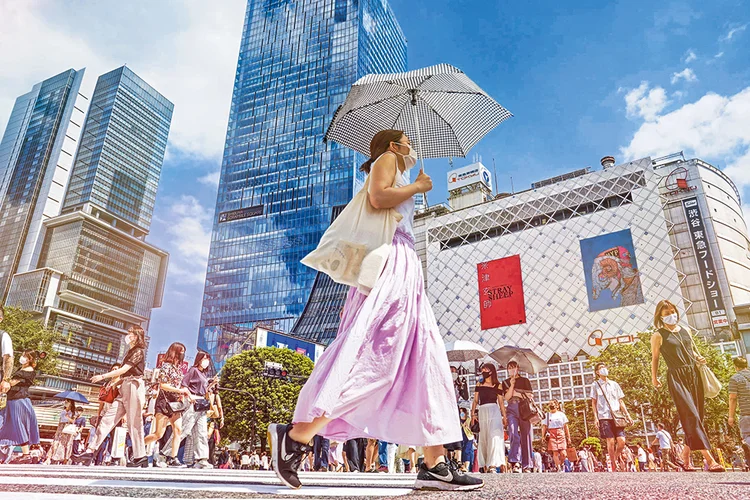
[501,300]
[470,174]
[611,271]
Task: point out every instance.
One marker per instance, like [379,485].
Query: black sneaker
[441,477]
[82,459]
[286,454]
[174,462]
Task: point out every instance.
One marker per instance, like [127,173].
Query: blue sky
[583,79]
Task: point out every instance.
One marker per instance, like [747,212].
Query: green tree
[596,445]
[630,366]
[260,400]
[28,332]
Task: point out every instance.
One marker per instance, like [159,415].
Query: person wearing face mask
[467,445]
[363,384]
[675,345]
[489,409]
[18,425]
[516,388]
[607,401]
[129,403]
[194,418]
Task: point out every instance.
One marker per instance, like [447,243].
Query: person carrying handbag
[610,413]
[518,392]
[675,344]
[388,339]
[555,431]
[488,409]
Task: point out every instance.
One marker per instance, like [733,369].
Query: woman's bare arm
[382,194]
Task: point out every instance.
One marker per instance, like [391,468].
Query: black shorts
[608,430]
[162,407]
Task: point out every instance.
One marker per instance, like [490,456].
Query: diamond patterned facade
[544,226]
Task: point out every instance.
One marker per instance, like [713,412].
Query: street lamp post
[585,423]
[643,419]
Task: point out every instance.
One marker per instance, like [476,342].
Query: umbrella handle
[419,137]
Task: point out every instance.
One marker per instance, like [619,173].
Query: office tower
[279,180]
[96,275]
[36,154]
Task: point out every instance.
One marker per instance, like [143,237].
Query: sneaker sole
[273,444]
[426,485]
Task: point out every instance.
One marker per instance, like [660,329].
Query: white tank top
[406,207]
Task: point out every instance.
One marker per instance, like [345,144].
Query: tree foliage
[262,400]
[630,366]
[596,445]
[27,332]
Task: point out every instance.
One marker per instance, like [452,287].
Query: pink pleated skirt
[386,376]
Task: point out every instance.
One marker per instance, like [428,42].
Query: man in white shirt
[665,447]
[642,459]
[6,352]
[606,401]
[537,461]
[583,459]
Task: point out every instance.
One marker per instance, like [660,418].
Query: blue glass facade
[279,180]
[29,153]
[122,149]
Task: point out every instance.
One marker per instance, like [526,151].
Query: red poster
[501,292]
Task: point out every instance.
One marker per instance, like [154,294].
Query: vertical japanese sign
[501,292]
[705,260]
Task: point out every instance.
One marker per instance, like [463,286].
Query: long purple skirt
[386,376]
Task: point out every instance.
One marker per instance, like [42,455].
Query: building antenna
[494,170]
[512,189]
[450,162]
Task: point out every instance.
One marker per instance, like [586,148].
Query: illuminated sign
[470,174]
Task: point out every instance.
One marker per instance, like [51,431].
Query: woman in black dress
[685,385]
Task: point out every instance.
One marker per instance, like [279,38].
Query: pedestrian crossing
[97,483]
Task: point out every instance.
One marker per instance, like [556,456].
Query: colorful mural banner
[611,270]
[501,301]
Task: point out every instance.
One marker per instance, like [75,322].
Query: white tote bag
[355,248]
[118,442]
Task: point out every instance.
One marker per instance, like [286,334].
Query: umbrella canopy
[73,396]
[527,361]
[463,350]
[442,111]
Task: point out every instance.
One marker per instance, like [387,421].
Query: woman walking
[675,344]
[129,403]
[170,391]
[62,444]
[18,425]
[555,430]
[367,383]
[517,388]
[194,419]
[489,408]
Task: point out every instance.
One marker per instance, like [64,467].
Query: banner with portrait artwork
[611,270]
[501,300]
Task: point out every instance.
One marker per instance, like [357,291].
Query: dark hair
[739,362]
[138,331]
[71,403]
[199,357]
[598,365]
[660,425]
[379,145]
[112,368]
[493,373]
[658,323]
[175,354]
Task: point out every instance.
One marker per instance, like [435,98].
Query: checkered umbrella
[442,111]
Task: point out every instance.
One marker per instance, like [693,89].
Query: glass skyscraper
[279,180]
[122,148]
[96,275]
[36,154]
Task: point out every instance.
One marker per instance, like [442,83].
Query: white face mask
[23,360]
[455,376]
[604,372]
[410,159]
[670,320]
[204,364]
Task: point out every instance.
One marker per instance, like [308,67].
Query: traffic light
[274,370]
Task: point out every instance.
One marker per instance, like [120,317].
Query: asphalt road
[98,483]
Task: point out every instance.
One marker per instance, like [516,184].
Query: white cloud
[190,229]
[645,103]
[689,57]
[732,32]
[186,50]
[686,74]
[210,179]
[720,54]
[715,128]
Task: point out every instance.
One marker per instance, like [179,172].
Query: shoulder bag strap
[611,411]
